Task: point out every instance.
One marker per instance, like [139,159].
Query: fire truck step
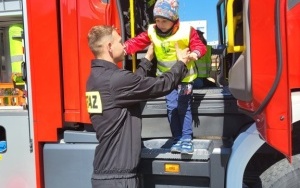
[160,149]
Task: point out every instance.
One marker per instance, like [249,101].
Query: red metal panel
[293,41]
[45,68]
[71,71]
[90,13]
[77,17]
[45,74]
[274,123]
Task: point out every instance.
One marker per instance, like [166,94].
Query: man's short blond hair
[97,37]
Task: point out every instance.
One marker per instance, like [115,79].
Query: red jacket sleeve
[196,44]
[137,43]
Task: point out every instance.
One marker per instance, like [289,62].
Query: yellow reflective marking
[174,168]
[0,157]
[93,101]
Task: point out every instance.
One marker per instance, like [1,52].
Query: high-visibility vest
[164,48]
[203,64]
[16,51]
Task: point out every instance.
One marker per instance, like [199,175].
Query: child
[165,34]
[203,66]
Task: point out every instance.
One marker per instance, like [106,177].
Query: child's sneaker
[187,147]
[176,147]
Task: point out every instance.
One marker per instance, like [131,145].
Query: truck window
[3,145]
[221,22]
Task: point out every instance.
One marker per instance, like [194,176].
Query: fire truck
[246,129]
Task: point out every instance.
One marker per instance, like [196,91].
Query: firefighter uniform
[113,97]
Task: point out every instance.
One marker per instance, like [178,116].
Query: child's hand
[193,56]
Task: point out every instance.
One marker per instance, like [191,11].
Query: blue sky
[191,10]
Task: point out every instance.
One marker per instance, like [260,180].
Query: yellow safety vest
[16,52]
[164,48]
[204,63]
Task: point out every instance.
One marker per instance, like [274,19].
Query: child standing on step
[165,34]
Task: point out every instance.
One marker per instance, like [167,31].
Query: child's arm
[198,49]
[137,43]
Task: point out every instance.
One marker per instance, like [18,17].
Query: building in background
[214,44]
[202,26]
[199,25]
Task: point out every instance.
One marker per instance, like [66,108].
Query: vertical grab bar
[132,31]
[231,26]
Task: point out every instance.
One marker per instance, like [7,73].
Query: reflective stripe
[203,70]
[204,64]
[16,58]
[190,76]
[203,73]
[167,64]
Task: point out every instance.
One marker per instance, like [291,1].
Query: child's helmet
[167,9]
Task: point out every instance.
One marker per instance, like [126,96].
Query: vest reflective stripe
[164,48]
[16,58]
[188,78]
[204,63]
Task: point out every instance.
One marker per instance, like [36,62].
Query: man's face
[163,24]
[117,48]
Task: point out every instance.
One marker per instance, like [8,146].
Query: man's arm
[130,88]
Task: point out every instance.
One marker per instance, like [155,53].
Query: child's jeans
[198,83]
[179,111]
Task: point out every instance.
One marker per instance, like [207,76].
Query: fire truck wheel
[281,174]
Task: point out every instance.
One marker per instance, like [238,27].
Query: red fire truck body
[254,137]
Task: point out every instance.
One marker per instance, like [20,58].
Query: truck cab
[245,127]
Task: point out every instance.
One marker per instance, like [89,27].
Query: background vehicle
[246,130]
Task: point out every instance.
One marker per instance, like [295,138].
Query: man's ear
[109,47]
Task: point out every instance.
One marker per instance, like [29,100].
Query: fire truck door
[77,17]
[17,166]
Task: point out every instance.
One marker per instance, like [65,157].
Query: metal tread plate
[199,154]
[160,149]
[213,91]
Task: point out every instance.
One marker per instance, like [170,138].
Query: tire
[281,175]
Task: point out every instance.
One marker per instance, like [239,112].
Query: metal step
[160,149]
[204,168]
[213,92]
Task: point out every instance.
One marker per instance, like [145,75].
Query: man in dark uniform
[113,97]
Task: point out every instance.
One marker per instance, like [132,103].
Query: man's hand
[182,55]
[150,52]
